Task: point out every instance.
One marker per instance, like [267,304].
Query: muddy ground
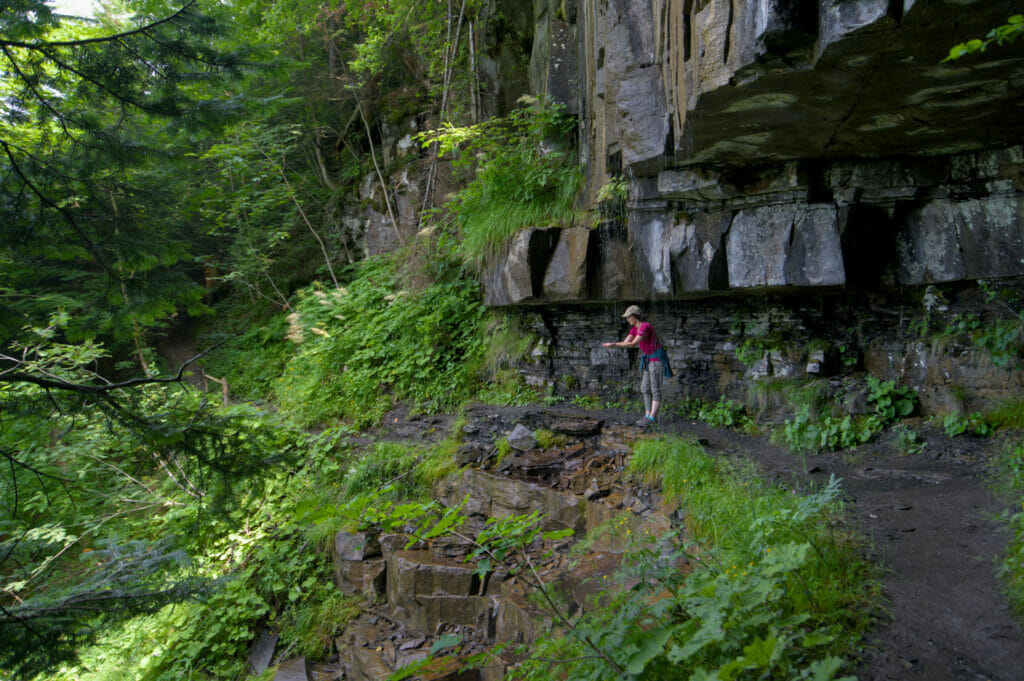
[932,523]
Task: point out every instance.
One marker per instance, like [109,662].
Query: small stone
[522,438]
[296,669]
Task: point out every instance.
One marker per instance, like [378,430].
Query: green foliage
[804,432]
[614,192]
[407,471]
[252,358]
[1007,415]
[311,630]
[507,388]
[1002,338]
[1008,478]
[891,402]
[751,350]
[1000,35]
[363,346]
[520,180]
[957,423]
[261,554]
[816,425]
[95,166]
[724,413]
[907,442]
[547,439]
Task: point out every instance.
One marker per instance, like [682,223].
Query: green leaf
[825,670]
[816,638]
[761,653]
[446,641]
[555,535]
[652,646]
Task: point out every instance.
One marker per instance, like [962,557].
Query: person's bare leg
[653,411]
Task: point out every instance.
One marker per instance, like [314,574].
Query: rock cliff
[809,166]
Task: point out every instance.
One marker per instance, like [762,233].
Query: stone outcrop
[798,225]
[778,146]
[431,589]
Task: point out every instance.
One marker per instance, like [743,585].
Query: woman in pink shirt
[654,366]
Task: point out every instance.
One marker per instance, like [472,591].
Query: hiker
[654,365]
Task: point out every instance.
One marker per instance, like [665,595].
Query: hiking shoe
[644,422]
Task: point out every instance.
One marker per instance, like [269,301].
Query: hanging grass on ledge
[526,175]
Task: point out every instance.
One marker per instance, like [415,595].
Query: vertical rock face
[778,145]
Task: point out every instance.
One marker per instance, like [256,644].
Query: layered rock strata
[424,591]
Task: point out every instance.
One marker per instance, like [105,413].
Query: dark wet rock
[696,184]
[296,669]
[785,246]
[360,577]
[566,275]
[517,277]
[415,574]
[350,546]
[516,619]
[535,464]
[576,427]
[261,651]
[433,612]
[592,580]
[493,495]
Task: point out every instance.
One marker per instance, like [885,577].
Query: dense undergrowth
[269,561]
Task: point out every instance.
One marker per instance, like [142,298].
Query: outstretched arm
[631,341]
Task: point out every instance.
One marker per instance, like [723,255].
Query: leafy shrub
[370,343]
[251,362]
[907,442]
[1008,415]
[956,423]
[803,432]
[1008,474]
[724,413]
[547,439]
[891,402]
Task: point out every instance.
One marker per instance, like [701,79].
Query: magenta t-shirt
[648,339]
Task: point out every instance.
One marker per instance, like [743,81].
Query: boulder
[566,275]
[928,250]
[356,577]
[261,651]
[517,276]
[492,495]
[296,669]
[431,612]
[413,575]
[693,184]
[356,546]
[522,438]
[652,236]
[700,264]
[774,246]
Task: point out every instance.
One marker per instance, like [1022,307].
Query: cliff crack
[853,107]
